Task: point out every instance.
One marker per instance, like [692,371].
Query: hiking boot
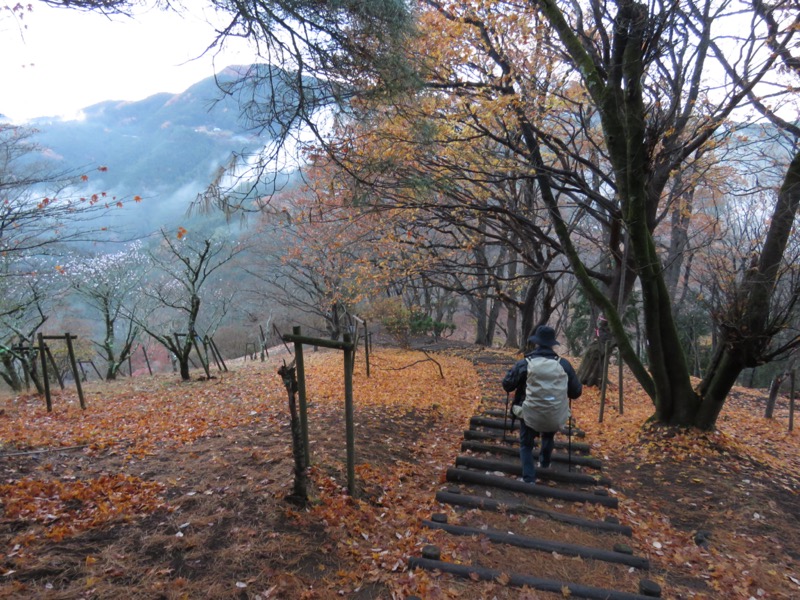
[544,465]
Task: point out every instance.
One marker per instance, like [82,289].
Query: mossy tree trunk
[747,327]
[614,83]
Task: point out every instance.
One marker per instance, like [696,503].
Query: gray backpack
[546,406]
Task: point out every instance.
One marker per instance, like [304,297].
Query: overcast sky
[65,60]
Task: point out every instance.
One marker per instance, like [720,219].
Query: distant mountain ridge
[165,148]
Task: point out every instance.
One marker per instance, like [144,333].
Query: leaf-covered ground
[169,490]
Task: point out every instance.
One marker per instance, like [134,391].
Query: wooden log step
[501,414]
[458,475]
[493,423]
[474,434]
[515,468]
[518,580]
[510,506]
[531,543]
[498,412]
[582,461]
[505,424]
[493,360]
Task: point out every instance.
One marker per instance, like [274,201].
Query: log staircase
[551,536]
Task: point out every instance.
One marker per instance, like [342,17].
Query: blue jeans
[527,441]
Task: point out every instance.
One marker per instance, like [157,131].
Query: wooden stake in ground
[349,357]
[45,379]
[791,402]
[147,360]
[75,373]
[299,494]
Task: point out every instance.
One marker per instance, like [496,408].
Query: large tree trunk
[480,303]
[9,373]
[774,390]
[529,308]
[590,371]
[681,213]
[491,324]
[746,328]
[183,367]
[181,351]
[621,104]
[615,85]
[746,331]
[108,344]
[512,339]
[479,308]
[334,321]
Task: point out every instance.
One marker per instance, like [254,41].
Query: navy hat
[544,336]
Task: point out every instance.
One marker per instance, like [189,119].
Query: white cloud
[64,60]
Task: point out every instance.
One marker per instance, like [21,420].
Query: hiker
[543,383]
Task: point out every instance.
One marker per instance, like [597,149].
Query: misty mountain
[165,148]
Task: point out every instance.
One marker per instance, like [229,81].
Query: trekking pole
[505,418]
[569,439]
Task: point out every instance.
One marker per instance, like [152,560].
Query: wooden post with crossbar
[348,347]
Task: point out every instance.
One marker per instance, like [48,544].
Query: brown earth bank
[162,489]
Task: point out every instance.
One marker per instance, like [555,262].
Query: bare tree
[186,270]
[111,285]
[41,208]
[42,211]
[27,291]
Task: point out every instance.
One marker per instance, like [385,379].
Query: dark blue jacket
[517,376]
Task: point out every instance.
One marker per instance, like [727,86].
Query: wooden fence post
[300,492]
[203,360]
[206,346]
[25,363]
[75,373]
[217,353]
[53,362]
[45,379]
[96,370]
[604,382]
[366,341]
[263,340]
[791,401]
[301,391]
[84,377]
[348,348]
[621,381]
[366,346]
[147,360]
[349,359]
